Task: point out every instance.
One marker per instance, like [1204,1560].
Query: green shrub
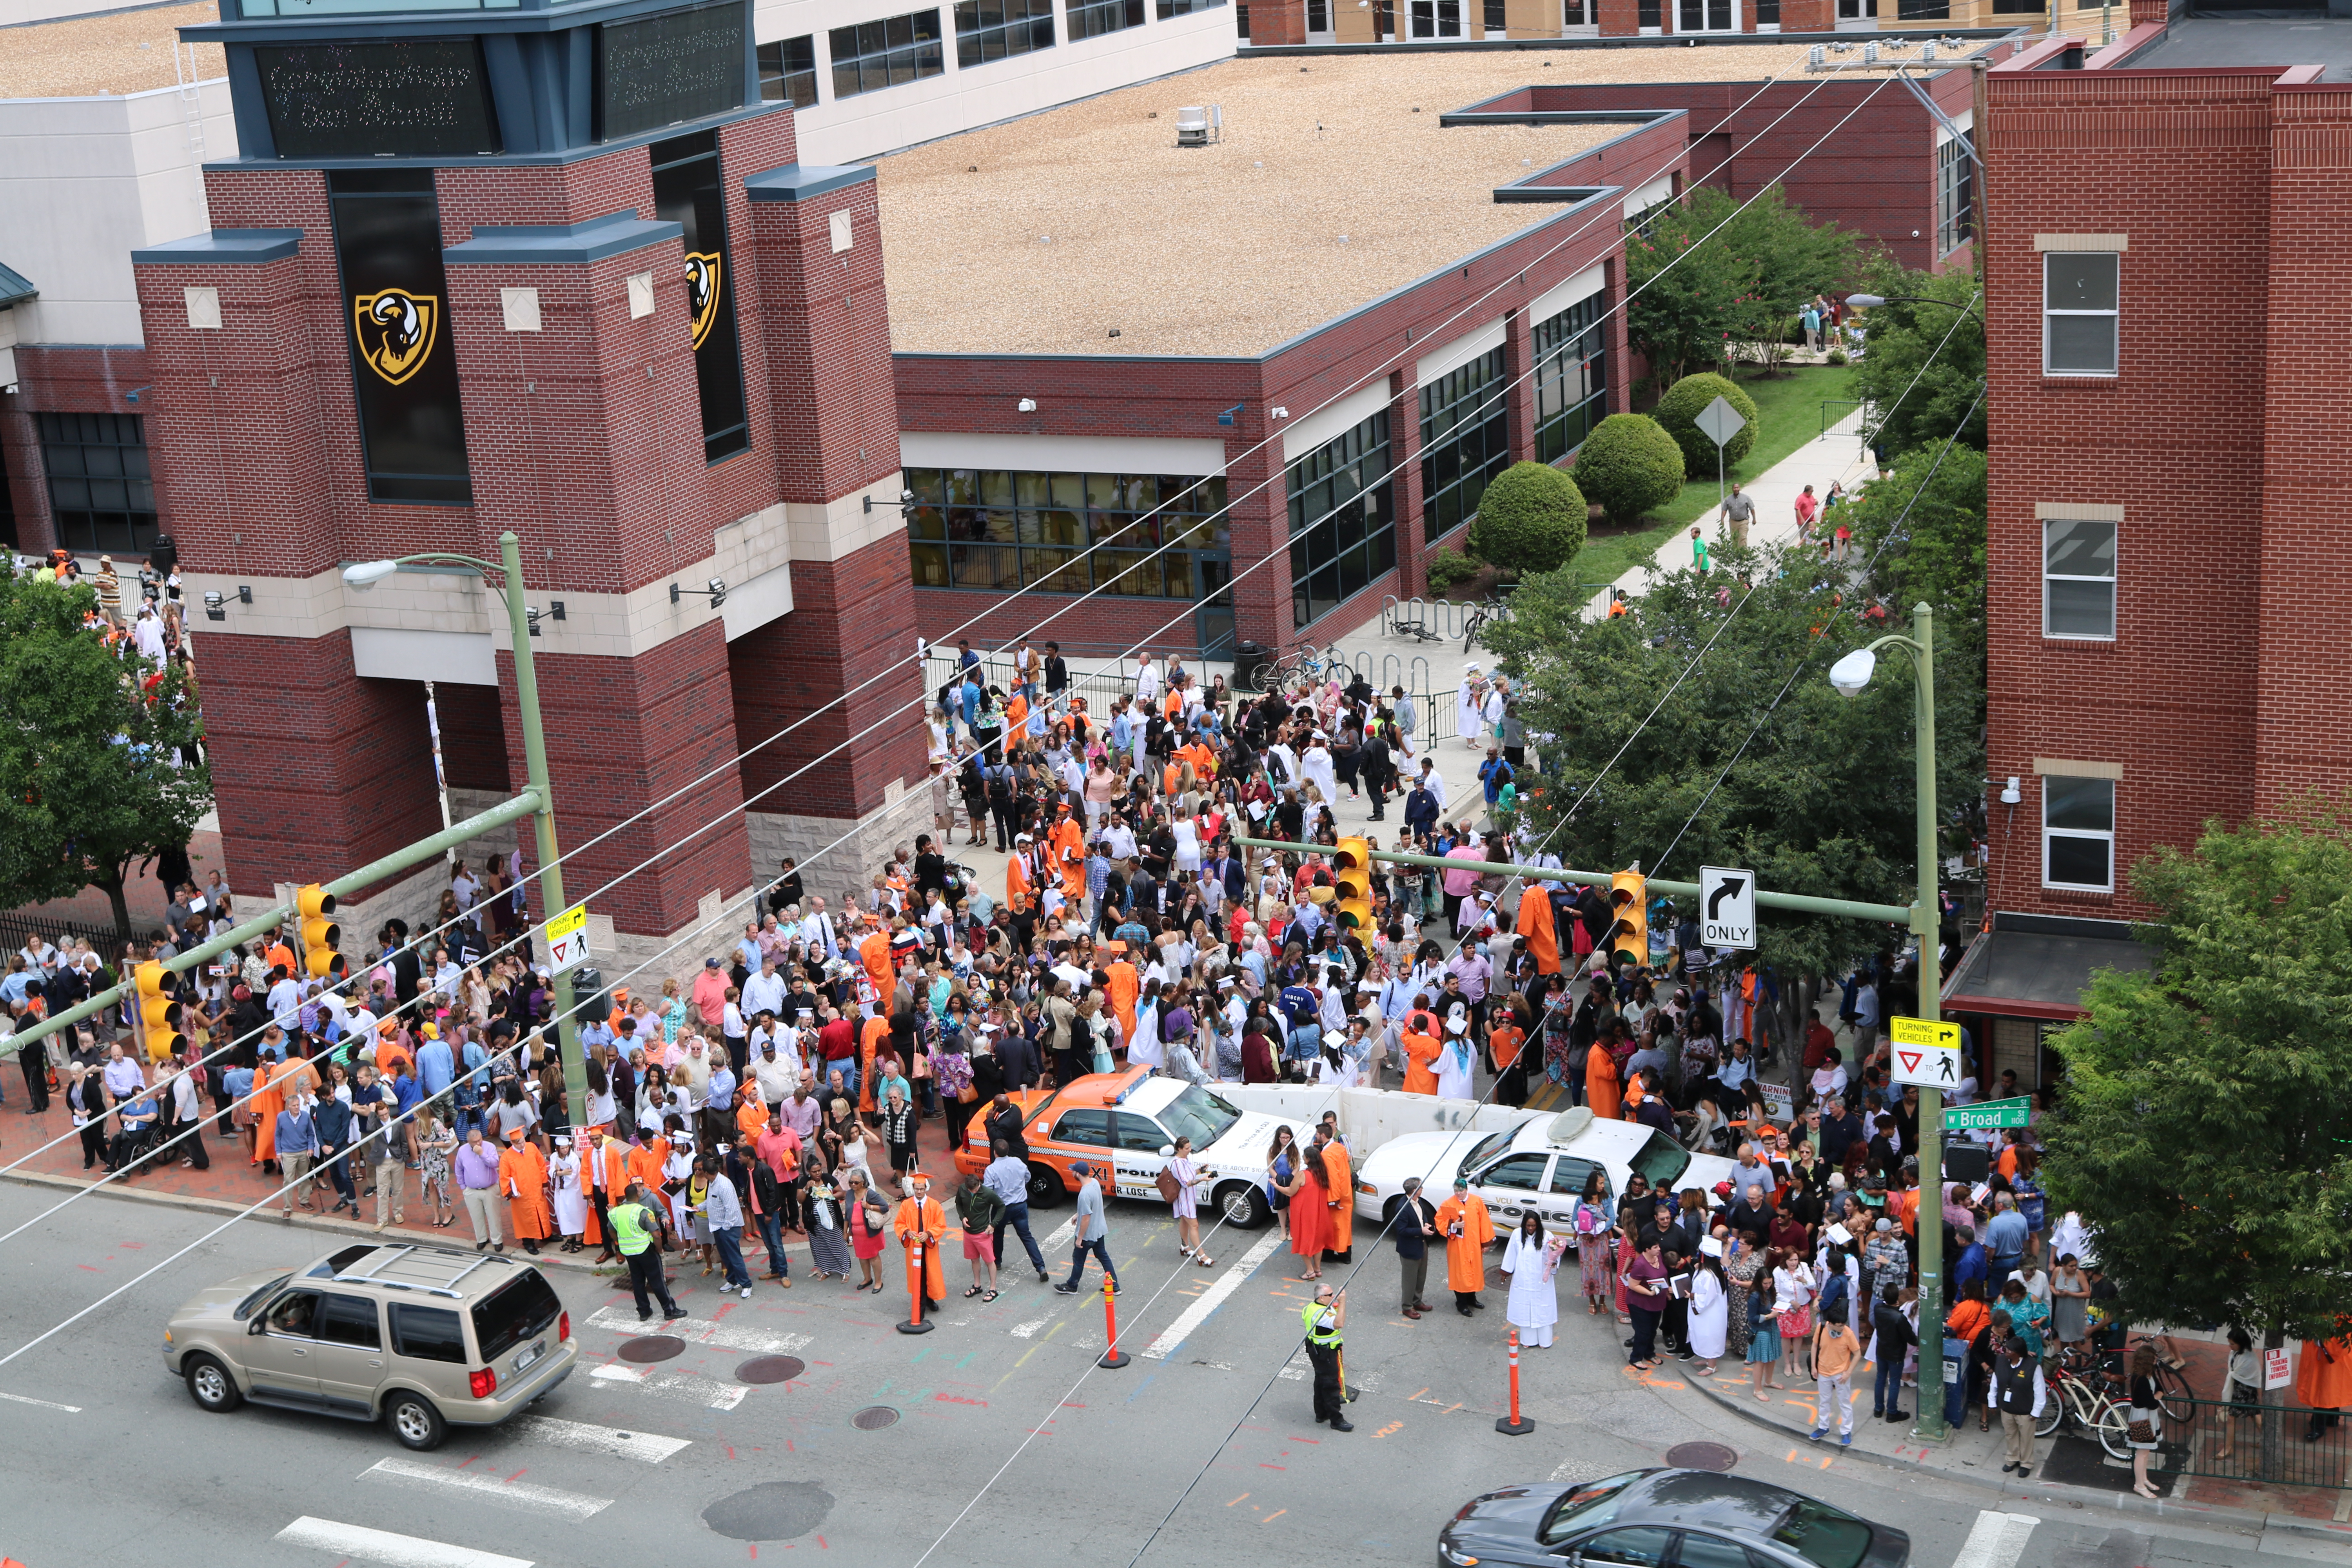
[1682,404]
[1448,568]
[1628,464]
[1530,520]
[1835,356]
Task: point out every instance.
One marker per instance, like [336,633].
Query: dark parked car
[1665,1519]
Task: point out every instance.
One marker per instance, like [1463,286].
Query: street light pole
[534,752]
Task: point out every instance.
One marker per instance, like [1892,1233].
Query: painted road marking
[41,1403]
[725,1334]
[383,1546]
[644,1447]
[1023,1331]
[576,1506]
[1209,1300]
[682,1386]
[1996,1541]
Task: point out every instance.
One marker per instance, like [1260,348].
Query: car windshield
[1593,1503]
[245,1308]
[1197,1114]
[1662,1161]
[1820,1534]
[1493,1143]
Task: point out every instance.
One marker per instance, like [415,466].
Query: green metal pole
[551,866]
[1925,920]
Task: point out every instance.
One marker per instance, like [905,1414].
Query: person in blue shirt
[968,700]
[2004,1237]
[406,1096]
[1970,1264]
[466,1095]
[1302,1008]
[437,1068]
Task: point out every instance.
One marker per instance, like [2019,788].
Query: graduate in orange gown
[1341,1174]
[1068,843]
[875,954]
[1122,988]
[1535,925]
[522,1177]
[870,1036]
[919,1217]
[267,1099]
[1463,1221]
[1420,1056]
[2323,1379]
[1311,1215]
[603,1168]
[1601,1082]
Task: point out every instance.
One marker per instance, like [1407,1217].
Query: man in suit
[1416,1223]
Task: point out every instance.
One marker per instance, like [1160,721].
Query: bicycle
[2072,1398]
[1306,662]
[1485,611]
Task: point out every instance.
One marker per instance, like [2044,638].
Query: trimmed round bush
[1629,465]
[1682,404]
[1531,519]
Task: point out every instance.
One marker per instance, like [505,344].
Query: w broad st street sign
[1926,1053]
[1989,1114]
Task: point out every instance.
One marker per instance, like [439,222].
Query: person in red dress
[1310,1213]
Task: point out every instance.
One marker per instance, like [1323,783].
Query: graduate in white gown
[1532,1260]
[1453,1063]
[1469,697]
[1316,767]
[571,1203]
[1710,1307]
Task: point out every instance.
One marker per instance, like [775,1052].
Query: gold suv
[423,1337]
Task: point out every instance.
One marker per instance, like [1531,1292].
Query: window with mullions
[99,495]
[1497,20]
[1466,440]
[2078,579]
[1436,19]
[1923,10]
[1342,519]
[875,55]
[2079,294]
[1956,194]
[1000,529]
[788,71]
[1571,378]
[991,29]
[1096,17]
[2078,834]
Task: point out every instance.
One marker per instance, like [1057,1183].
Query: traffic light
[316,931]
[1352,873]
[1629,901]
[159,1011]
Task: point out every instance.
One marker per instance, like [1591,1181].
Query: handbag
[2143,1433]
[873,1218]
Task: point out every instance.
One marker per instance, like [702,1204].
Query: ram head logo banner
[395,331]
[702,283]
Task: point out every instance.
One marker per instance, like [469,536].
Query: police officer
[630,1217]
[1325,1317]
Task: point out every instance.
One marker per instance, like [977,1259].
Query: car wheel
[414,1422]
[210,1386]
[1245,1207]
[1046,1188]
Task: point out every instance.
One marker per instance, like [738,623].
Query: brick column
[1518,364]
[1808,17]
[1620,17]
[1274,22]
[1404,451]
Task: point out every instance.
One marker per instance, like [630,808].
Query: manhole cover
[874,1417]
[1702,1457]
[652,1347]
[772,1511]
[770,1368]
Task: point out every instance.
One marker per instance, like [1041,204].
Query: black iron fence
[2269,1444]
[19,928]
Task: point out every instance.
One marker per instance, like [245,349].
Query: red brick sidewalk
[145,895]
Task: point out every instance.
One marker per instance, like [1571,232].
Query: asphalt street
[1005,1444]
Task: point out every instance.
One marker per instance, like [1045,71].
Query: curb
[349,1229]
[2124,1501]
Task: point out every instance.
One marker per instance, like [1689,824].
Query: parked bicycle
[1485,611]
[2075,1398]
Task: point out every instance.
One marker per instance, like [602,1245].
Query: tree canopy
[1743,282]
[2205,1129]
[1933,504]
[90,778]
[1902,336]
[1820,800]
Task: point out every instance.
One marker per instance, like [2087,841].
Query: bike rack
[1392,670]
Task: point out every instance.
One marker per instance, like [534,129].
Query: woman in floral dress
[1739,1274]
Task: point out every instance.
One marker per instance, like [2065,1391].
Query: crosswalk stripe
[645,1447]
[724,1332]
[524,1495]
[383,1546]
[42,1404]
[1996,1540]
[1210,1299]
[682,1386]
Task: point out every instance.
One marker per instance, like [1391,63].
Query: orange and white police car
[1123,1126]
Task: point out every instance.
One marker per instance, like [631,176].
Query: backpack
[1169,1188]
[1833,1299]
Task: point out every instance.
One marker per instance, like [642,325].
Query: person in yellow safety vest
[630,1217]
[1325,1317]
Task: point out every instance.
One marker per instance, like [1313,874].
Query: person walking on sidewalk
[1093,1234]
[1738,511]
[2018,1389]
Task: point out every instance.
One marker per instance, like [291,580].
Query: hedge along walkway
[1790,410]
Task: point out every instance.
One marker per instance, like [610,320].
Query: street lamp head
[368,573]
[1865,302]
[1853,672]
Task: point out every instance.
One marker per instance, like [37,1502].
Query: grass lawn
[1789,412]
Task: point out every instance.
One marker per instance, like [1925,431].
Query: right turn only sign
[1726,907]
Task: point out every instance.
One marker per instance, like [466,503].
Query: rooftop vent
[1198,125]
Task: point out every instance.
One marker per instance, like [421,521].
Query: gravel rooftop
[1235,247]
[85,56]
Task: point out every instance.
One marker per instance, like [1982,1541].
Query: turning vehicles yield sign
[1726,907]
[1926,1053]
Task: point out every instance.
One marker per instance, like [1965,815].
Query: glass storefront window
[1342,519]
[1002,530]
[1571,378]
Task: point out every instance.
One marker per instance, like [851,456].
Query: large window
[1497,18]
[1923,10]
[788,71]
[1956,194]
[2078,579]
[991,29]
[2078,833]
[1571,378]
[99,495]
[1436,19]
[2079,292]
[1342,519]
[1705,17]
[1185,7]
[1466,440]
[999,530]
[1093,18]
[876,55]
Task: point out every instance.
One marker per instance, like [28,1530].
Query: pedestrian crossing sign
[1926,1052]
[567,939]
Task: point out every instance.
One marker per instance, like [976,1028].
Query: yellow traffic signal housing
[159,1010]
[1352,876]
[1629,901]
[317,932]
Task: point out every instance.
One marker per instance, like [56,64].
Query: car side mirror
[1167,1150]
[259,1325]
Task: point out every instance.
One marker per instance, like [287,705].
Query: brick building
[2164,602]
